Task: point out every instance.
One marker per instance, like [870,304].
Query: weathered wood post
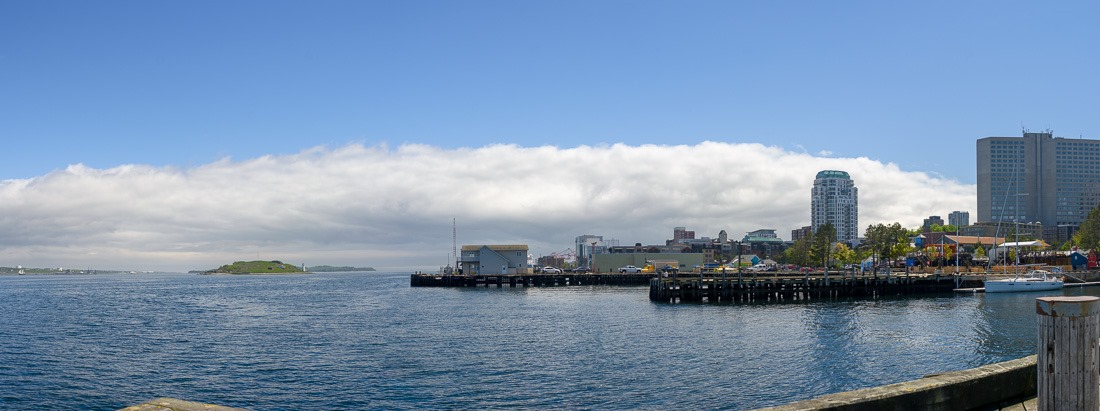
[1067,363]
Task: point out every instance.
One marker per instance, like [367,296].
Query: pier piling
[1067,351]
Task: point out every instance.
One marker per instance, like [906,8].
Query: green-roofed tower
[834,199]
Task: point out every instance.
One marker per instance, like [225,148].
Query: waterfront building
[931,221]
[638,248]
[1038,178]
[834,199]
[587,245]
[681,233]
[494,259]
[959,218]
[611,262]
[712,249]
[990,229]
[967,245]
[764,242]
[1060,233]
[551,261]
[804,232]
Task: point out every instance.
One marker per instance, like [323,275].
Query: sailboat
[1034,279]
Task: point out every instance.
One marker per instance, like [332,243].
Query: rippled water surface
[369,341]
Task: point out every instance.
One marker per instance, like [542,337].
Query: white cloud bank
[392,208]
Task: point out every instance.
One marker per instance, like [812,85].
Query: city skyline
[170,136]
[140,217]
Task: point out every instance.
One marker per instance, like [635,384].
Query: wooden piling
[1067,363]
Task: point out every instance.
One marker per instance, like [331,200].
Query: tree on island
[257,267]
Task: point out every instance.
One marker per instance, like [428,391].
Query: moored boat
[1034,280]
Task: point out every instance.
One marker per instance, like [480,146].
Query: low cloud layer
[392,208]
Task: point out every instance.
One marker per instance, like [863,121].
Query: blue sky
[183,135]
[187,83]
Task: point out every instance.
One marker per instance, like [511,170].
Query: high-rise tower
[1038,178]
[834,199]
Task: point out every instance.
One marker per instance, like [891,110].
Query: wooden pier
[790,289]
[527,280]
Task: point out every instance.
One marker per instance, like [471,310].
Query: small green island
[258,267]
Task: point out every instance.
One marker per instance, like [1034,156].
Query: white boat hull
[1021,285]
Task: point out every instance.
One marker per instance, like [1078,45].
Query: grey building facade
[835,199]
[1037,178]
[494,259]
[930,221]
[588,245]
[959,218]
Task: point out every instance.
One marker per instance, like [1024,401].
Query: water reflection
[1006,324]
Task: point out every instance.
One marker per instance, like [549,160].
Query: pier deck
[527,280]
[785,289]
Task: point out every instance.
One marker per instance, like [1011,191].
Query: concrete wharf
[717,289]
[528,280]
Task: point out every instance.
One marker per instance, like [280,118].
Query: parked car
[630,269]
[551,270]
[582,269]
[668,269]
[759,267]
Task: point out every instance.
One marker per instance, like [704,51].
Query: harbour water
[369,341]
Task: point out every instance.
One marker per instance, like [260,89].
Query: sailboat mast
[454,240]
[1016,221]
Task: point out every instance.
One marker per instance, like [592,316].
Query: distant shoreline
[261,273]
[70,273]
